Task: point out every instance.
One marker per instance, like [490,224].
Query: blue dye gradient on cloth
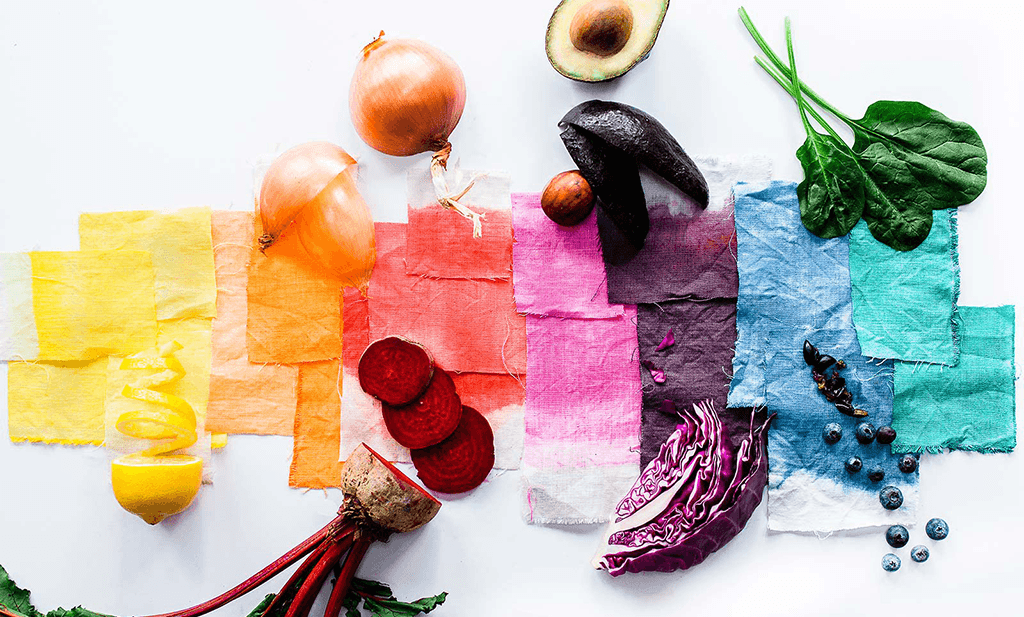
[789,280]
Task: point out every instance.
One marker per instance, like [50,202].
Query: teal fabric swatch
[904,302]
[970,406]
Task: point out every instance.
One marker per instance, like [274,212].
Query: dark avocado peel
[606,140]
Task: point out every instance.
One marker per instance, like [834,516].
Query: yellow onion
[309,196]
[407,97]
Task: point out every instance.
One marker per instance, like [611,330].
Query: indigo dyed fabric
[696,366]
[689,252]
[970,406]
[789,281]
[809,489]
[904,302]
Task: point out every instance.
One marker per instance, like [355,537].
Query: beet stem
[335,527]
[348,572]
[296,579]
[311,586]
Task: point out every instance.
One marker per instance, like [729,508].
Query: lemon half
[155,487]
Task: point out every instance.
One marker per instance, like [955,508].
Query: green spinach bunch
[906,160]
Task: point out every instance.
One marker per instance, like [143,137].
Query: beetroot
[395,370]
[462,461]
[430,418]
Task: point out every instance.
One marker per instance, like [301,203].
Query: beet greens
[910,160]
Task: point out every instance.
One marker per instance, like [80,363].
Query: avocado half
[625,29]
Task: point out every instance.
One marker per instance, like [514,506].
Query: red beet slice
[430,418]
[462,461]
[395,370]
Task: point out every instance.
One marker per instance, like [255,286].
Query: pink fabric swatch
[468,325]
[557,271]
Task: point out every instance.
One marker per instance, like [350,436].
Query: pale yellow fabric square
[56,403]
[89,304]
[182,249]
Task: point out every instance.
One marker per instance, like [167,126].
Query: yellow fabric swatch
[244,397]
[56,403]
[317,427]
[89,304]
[182,249]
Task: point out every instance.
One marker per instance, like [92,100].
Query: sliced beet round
[395,370]
[430,418]
[462,461]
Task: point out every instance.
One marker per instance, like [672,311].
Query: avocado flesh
[615,179]
[573,63]
[642,137]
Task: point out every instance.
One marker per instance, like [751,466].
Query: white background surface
[127,105]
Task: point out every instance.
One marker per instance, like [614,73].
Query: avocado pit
[602,27]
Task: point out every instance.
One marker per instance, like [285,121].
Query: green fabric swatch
[904,302]
[970,406]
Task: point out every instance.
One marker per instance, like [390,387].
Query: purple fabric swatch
[557,271]
[696,367]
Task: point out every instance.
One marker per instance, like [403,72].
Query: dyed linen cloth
[546,256]
[970,406]
[582,412]
[790,280]
[468,325]
[904,302]
[182,252]
[440,241]
[56,403]
[809,489]
[315,461]
[244,397]
[696,367]
[18,337]
[689,252]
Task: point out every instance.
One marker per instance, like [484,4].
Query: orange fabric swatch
[257,399]
[294,306]
[317,427]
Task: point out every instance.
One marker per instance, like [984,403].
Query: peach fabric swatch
[294,306]
[468,325]
[249,398]
[56,403]
[315,461]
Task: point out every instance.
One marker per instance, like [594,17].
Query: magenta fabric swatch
[557,271]
[582,417]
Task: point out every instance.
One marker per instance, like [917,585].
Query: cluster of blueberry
[897,536]
[866,433]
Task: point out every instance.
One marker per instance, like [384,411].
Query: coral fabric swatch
[689,252]
[904,302]
[355,313]
[89,304]
[18,337]
[182,253]
[294,307]
[56,403]
[970,406]
[315,461]
[582,417]
[468,325]
[441,243]
[557,271]
[248,398]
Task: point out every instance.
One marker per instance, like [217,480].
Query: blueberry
[832,433]
[853,464]
[919,553]
[908,463]
[937,529]
[890,497]
[897,536]
[865,432]
[885,435]
[890,562]
[876,474]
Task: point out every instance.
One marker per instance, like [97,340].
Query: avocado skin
[636,133]
[615,178]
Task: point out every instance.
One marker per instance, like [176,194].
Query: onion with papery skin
[309,196]
[407,97]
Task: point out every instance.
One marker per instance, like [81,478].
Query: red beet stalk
[348,572]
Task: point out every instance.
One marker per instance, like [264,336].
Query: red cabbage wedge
[694,497]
